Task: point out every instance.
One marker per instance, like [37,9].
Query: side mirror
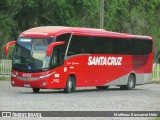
[51,46]
[6,47]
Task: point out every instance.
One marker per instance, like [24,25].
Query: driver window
[57,56]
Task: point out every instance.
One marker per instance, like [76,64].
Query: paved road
[143,98]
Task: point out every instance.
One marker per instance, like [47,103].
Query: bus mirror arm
[6,47]
[51,46]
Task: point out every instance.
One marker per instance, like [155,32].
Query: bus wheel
[130,84]
[102,87]
[35,90]
[70,85]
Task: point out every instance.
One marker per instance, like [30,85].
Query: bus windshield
[30,54]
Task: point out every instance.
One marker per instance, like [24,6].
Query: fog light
[44,83]
[13,83]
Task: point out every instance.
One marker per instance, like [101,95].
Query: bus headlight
[13,75]
[44,76]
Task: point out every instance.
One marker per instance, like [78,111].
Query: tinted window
[105,45]
[64,37]
[76,45]
[124,46]
[91,45]
[83,45]
[142,47]
[148,46]
[101,45]
[117,44]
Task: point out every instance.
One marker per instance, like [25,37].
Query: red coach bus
[56,57]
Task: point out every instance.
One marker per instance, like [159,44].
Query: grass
[156,74]
[157,82]
[158,118]
[4,78]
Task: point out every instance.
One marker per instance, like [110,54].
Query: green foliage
[128,16]
[158,118]
[4,78]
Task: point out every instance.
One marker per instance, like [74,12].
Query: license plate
[26,85]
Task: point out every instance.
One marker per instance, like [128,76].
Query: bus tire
[70,85]
[102,87]
[36,90]
[130,84]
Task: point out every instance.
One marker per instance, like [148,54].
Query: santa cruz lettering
[104,60]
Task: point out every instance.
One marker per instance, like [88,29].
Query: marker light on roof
[25,40]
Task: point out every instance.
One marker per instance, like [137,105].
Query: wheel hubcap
[70,84]
[131,82]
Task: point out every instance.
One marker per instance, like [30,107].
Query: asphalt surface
[142,98]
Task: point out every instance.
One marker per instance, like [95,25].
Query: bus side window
[148,46]
[105,45]
[116,45]
[76,46]
[65,38]
[91,45]
[125,46]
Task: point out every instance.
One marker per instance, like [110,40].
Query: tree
[127,16]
